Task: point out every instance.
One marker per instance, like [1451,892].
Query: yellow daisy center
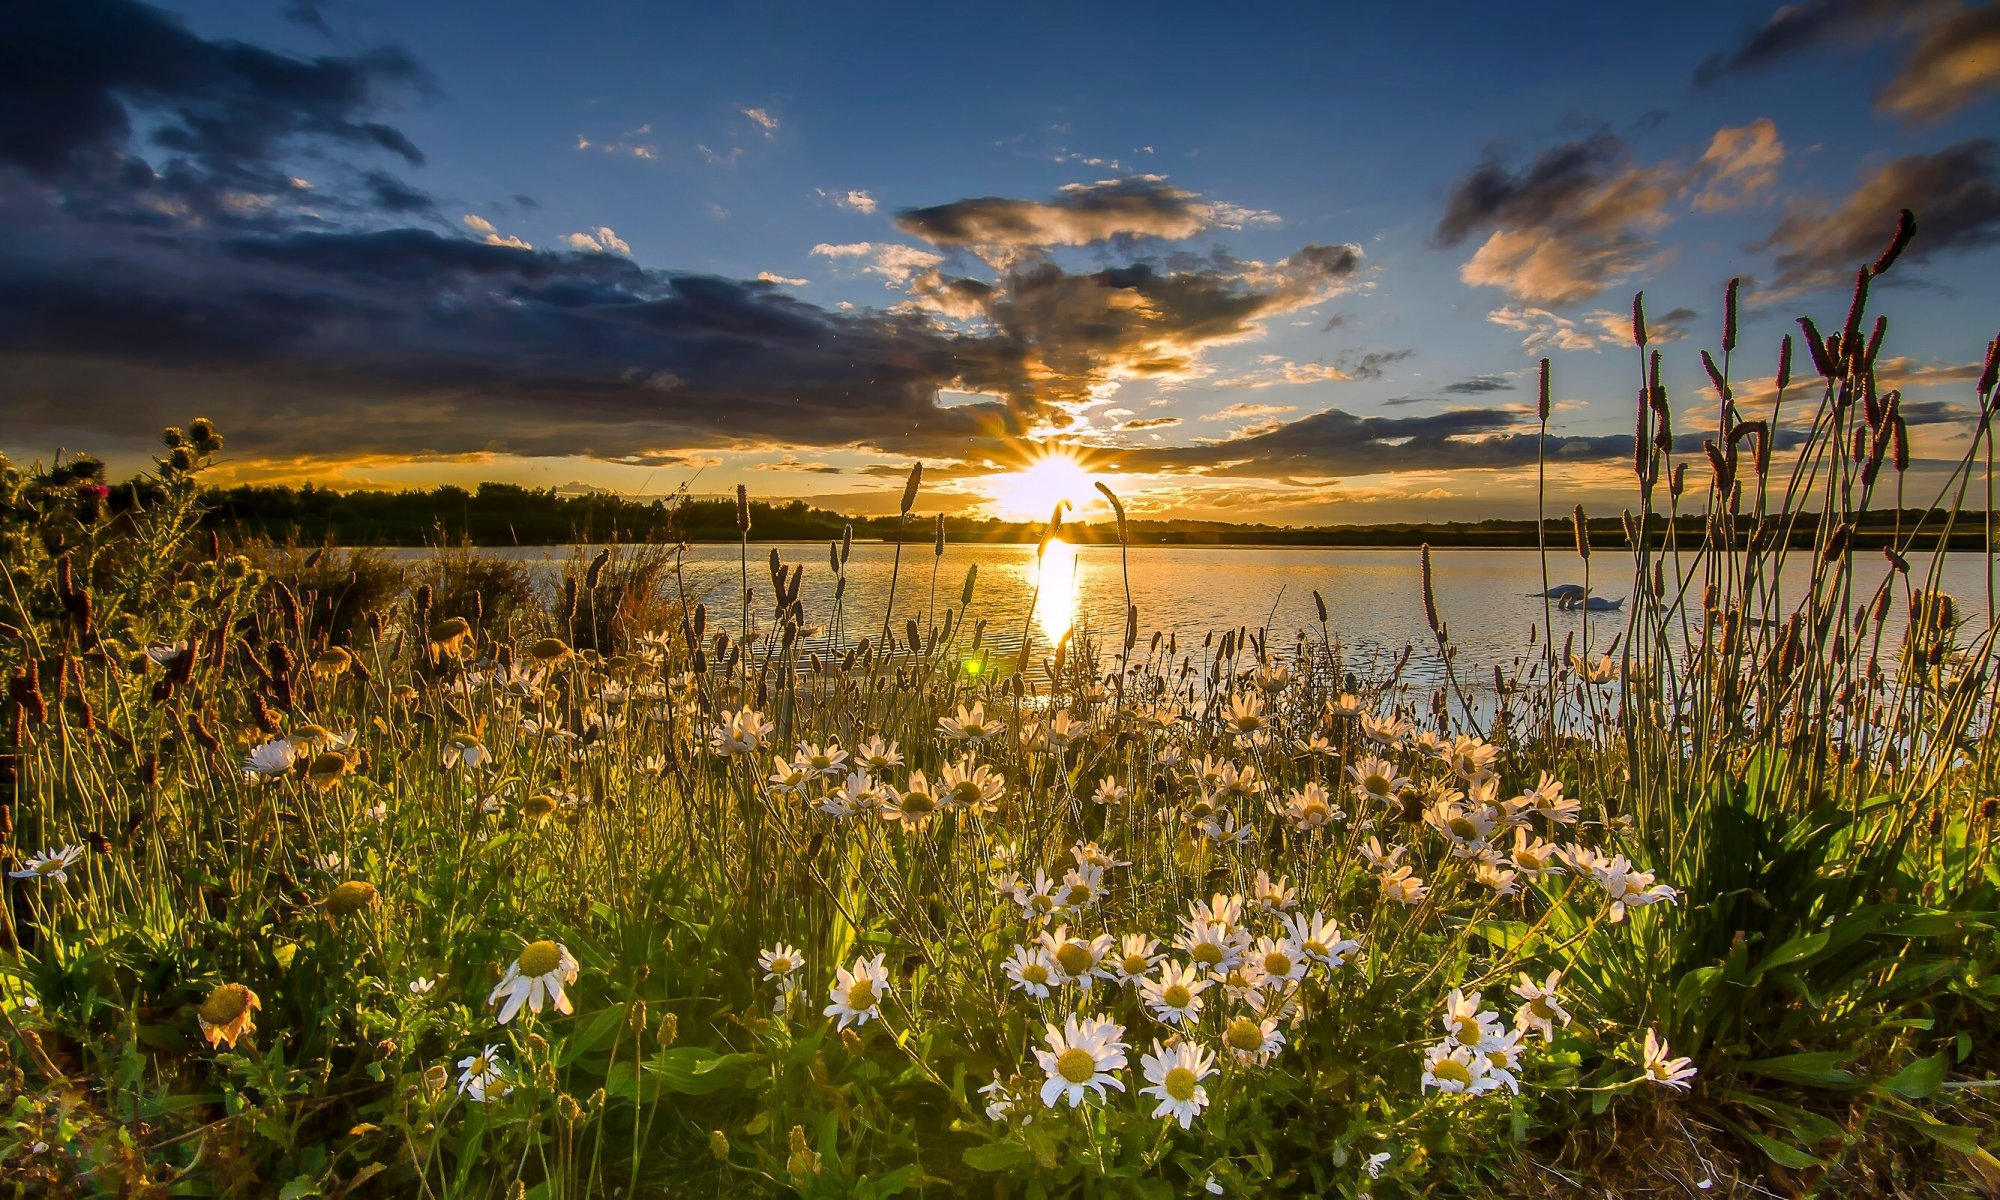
[918,802]
[1180,1084]
[1074,957]
[1134,964]
[1208,954]
[538,807]
[1377,783]
[1469,1029]
[1035,972]
[1452,1070]
[1077,1066]
[1244,1034]
[1277,964]
[227,1003]
[1464,827]
[861,995]
[1541,1008]
[1176,996]
[539,958]
[1076,894]
[350,897]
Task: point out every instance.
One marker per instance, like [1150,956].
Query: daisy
[1466,1024]
[1471,758]
[1495,878]
[1062,730]
[970,725]
[857,991]
[1253,1040]
[740,732]
[535,978]
[1540,1009]
[1081,887]
[165,654]
[788,777]
[1081,961]
[1175,997]
[1109,791]
[1272,677]
[1176,1073]
[1037,901]
[1081,1056]
[828,762]
[914,806]
[1319,939]
[877,755]
[970,787]
[1214,948]
[1377,779]
[1466,826]
[1316,746]
[1222,827]
[1603,671]
[1660,1069]
[1245,716]
[1090,854]
[1137,955]
[1546,799]
[856,795]
[1534,858]
[422,985]
[1308,809]
[1386,731]
[1245,982]
[1449,1067]
[1279,960]
[1233,781]
[1033,971]
[480,1074]
[1272,897]
[1503,1058]
[780,961]
[50,865]
[466,752]
[1347,706]
[227,1014]
[1629,888]
[1379,859]
[270,760]
[1404,886]
[1001,1099]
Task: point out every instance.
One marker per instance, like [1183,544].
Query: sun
[1032,493]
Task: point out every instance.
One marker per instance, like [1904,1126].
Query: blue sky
[1505,183]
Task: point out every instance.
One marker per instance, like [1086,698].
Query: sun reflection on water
[1058,578]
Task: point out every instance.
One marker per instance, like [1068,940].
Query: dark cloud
[1143,206]
[1370,365]
[308,13]
[1492,196]
[1949,66]
[1149,423]
[1954,192]
[386,193]
[1478,384]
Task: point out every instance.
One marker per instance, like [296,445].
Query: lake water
[1374,599]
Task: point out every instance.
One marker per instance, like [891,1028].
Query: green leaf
[1820,1068]
[299,1188]
[999,1156]
[1796,950]
[1783,1153]
[693,1071]
[1920,1080]
[594,1034]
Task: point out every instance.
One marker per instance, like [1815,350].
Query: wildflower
[740,732]
[788,777]
[1316,746]
[1450,1067]
[1137,954]
[1404,886]
[1234,781]
[1377,779]
[270,759]
[1379,859]
[1081,887]
[1471,758]
[1494,877]
[1308,809]
[1603,671]
[166,654]
[535,978]
[1629,888]
[1033,970]
[1039,900]
[50,865]
[1090,854]
[465,751]
[352,897]
[1503,1058]
[1348,706]
[856,795]
[227,1014]
[1272,897]
[1386,731]
[1001,1099]
[480,1074]
[1660,1069]
[1540,1008]
[422,985]
[1279,960]
[1466,1024]
[1060,731]
[914,806]
[1081,961]
[1374,1164]
[1212,947]
[1245,716]
[1272,677]
[1253,1040]
[877,755]
[1319,939]
[1546,800]
[332,663]
[1221,909]
[857,991]
[326,770]
[1466,826]
[827,762]
[970,725]
[1175,997]
[1109,791]
[1532,857]
[970,787]
[780,961]
[1081,1056]
[1176,1073]
[1222,827]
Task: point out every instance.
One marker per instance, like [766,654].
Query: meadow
[331,880]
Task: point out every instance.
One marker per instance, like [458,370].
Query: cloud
[857,201]
[1371,364]
[1149,423]
[792,462]
[1245,412]
[1954,192]
[1595,330]
[1955,58]
[1285,373]
[1478,384]
[1740,166]
[774,277]
[896,264]
[1080,214]
[484,227]
[599,241]
[764,120]
[715,156]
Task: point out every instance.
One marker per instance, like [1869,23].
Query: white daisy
[1175,997]
[1137,955]
[1176,1073]
[1033,970]
[1661,1069]
[1080,960]
[535,978]
[857,991]
[51,866]
[1541,1010]
[1319,937]
[1080,1058]
[780,962]
[1253,1039]
[480,1074]
[1450,1067]
[271,759]
[1466,1024]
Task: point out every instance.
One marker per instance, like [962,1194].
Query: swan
[1561,591]
[1591,604]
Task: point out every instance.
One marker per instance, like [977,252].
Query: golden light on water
[1057,576]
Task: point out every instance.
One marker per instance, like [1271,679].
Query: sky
[1284,263]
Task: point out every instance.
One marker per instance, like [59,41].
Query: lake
[1488,598]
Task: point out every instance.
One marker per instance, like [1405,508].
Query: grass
[1704,903]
